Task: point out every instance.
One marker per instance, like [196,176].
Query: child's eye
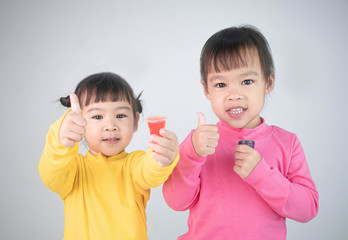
[97,117]
[247,82]
[121,116]
[220,85]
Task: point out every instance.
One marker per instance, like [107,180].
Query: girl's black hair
[105,86]
[229,48]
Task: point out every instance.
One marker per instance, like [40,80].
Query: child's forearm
[292,196]
[57,165]
[183,185]
[148,174]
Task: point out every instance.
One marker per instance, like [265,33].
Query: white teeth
[236,110]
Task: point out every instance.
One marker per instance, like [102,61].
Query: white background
[47,47]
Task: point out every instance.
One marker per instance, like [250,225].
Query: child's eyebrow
[244,74]
[123,108]
[116,108]
[248,73]
[215,77]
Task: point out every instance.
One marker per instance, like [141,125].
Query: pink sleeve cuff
[259,174]
[188,151]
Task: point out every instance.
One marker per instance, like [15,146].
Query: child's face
[237,96]
[110,126]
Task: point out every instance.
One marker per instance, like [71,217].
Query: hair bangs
[233,48]
[105,89]
[228,59]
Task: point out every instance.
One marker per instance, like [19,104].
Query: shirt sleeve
[182,188]
[293,195]
[57,166]
[147,173]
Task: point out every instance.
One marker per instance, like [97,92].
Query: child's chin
[234,123]
[111,153]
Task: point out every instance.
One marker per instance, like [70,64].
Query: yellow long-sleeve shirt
[104,198]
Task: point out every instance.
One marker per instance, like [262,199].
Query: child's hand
[164,148]
[205,137]
[246,160]
[73,125]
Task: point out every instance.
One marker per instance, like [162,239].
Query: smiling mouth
[236,110]
[111,139]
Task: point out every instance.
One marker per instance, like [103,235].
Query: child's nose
[235,95]
[111,126]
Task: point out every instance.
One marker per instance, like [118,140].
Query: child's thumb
[201,119]
[74,102]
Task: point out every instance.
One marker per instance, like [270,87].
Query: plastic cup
[250,143]
[156,123]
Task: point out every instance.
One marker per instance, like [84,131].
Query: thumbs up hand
[73,125]
[205,137]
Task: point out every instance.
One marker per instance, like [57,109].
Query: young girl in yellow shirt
[104,192]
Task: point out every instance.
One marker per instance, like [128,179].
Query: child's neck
[95,153]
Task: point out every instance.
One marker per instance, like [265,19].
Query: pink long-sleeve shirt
[225,206]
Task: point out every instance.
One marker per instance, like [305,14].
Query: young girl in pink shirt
[236,191]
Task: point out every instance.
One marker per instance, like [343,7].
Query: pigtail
[65,101]
[138,104]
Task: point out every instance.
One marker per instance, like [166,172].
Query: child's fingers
[169,140]
[75,104]
[72,119]
[67,142]
[165,143]
[240,155]
[205,151]
[207,132]
[212,135]
[163,156]
[245,162]
[162,160]
[247,153]
[72,129]
[74,133]
[76,137]
[237,169]
[77,129]
[207,136]
[243,148]
[242,168]
[238,162]
[77,119]
[207,139]
[201,119]
[163,150]
[245,157]
[209,128]
[70,138]
[211,143]
[167,136]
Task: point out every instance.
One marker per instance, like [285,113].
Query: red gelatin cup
[156,123]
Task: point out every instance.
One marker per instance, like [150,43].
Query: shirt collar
[100,158]
[235,134]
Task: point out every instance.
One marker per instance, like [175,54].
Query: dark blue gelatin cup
[250,143]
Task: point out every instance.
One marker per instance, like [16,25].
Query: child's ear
[136,121]
[205,88]
[271,83]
